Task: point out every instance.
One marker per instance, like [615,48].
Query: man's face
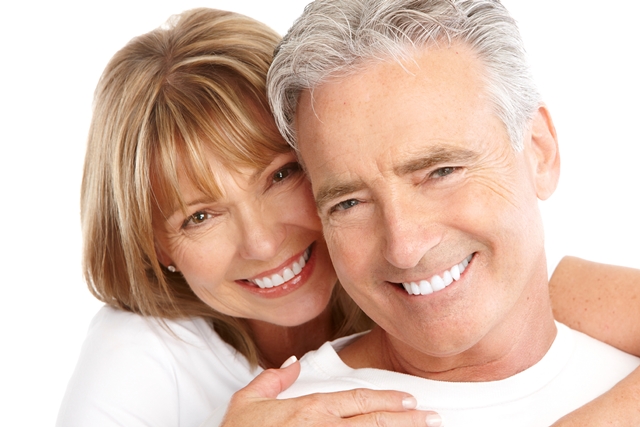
[413,173]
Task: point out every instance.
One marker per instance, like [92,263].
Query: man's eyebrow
[432,158]
[333,190]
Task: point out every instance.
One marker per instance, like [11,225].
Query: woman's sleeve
[135,372]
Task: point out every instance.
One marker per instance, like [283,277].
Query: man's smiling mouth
[439,281]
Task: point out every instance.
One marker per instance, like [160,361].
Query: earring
[171,268]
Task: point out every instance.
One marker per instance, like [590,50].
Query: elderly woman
[201,237]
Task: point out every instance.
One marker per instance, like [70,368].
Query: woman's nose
[262,236]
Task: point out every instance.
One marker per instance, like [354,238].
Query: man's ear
[546,156]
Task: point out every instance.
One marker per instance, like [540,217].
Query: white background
[585,61]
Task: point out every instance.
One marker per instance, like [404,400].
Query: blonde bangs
[225,118]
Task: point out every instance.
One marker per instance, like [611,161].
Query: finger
[396,419]
[362,401]
[272,382]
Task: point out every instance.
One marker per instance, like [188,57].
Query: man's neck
[510,347]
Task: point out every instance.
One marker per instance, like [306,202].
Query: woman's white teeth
[287,274]
[277,280]
[437,282]
[296,268]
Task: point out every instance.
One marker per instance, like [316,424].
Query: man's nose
[261,236]
[409,233]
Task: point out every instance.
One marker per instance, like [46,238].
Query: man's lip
[429,284]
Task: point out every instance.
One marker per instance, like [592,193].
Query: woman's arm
[619,407]
[602,301]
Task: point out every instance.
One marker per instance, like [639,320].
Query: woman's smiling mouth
[285,274]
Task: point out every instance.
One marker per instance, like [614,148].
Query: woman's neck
[278,343]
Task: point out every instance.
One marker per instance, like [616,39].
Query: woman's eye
[442,172]
[284,172]
[196,219]
[347,204]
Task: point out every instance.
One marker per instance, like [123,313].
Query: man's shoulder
[572,368]
[323,371]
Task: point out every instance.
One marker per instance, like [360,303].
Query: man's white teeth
[455,272]
[425,288]
[287,274]
[437,282]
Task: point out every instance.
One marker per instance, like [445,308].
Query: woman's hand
[256,405]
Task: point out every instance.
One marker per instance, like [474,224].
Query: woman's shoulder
[190,338]
[158,372]
[112,326]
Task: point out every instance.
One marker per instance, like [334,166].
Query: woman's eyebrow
[197,201]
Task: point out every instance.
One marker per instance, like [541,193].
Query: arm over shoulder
[600,300]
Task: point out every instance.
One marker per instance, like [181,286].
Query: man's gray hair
[336,38]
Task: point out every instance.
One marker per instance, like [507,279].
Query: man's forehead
[454,71]
[427,88]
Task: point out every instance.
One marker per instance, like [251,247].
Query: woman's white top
[135,372]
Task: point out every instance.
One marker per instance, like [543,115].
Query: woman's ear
[163,258]
[546,156]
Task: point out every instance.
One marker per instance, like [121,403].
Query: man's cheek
[343,251]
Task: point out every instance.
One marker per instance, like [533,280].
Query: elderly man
[428,148]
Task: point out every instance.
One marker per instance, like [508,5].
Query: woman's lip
[287,287]
[281,267]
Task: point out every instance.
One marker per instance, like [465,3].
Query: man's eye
[442,172]
[284,172]
[343,206]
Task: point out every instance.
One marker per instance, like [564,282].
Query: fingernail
[434,420]
[290,361]
[409,402]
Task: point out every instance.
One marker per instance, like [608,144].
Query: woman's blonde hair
[194,86]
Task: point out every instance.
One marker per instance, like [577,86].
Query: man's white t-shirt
[575,370]
[134,372]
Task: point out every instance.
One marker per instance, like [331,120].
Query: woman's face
[257,252]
